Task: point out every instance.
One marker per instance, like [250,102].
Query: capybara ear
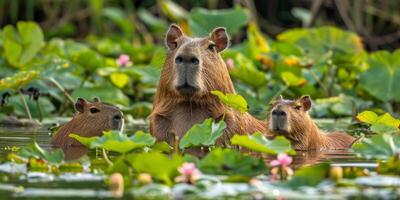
[174,32]
[96,99]
[80,105]
[220,38]
[305,102]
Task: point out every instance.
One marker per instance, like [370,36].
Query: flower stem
[25,105]
[105,156]
[61,88]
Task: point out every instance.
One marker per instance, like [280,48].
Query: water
[90,185]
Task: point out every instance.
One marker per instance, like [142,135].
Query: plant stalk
[28,112]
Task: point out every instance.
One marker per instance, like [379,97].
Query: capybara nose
[117,117]
[187,59]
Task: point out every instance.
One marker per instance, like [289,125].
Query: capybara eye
[211,47]
[178,59]
[297,107]
[94,110]
[194,61]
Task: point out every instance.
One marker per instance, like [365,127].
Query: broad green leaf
[119,17]
[231,162]
[22,45]
[119,79]
[368,117]
[246,72]
[158,165]
[106,93]
[385,123]
[18,80]
[380,146]
[380,80]
[232,100]
[84,140]
[203,21]
[46,106]
[204,134]
[308,176]
[257,142]
[121,143]
[173,10]
[156,24]
[291,79]
[34,150]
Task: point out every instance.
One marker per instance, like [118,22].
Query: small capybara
[192,69]
[290,118]
[90,119]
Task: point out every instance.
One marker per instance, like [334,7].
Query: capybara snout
[279,121]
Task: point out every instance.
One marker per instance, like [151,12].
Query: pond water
[91,185]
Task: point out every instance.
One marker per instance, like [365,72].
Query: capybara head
[290,118]
[98,114]
[90,119]
[194,66]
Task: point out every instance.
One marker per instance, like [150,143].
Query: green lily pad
[204,134]
[308,176]
[232,100]
[117,142]
[257,142]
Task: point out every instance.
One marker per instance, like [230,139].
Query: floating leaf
[203,21]
[368,117]
[158,165]
[22,45]
[34,150]
[231,162]
[257,142]
[380,80]
[232,100]
[378,146]
[204,134]
[18,80]
[117,142]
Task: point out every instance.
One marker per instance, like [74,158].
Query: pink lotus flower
[189,173]
[124,60]
[283,160]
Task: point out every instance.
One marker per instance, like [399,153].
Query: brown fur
[302,131]
[174,113]
[87,124]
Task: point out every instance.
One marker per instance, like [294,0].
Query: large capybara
[192,69]
[290,118]
[90,119]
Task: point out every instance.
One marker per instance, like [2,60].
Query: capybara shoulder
[90,119]
[290,118]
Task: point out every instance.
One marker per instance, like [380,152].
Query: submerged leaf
[257,142]
[231,162]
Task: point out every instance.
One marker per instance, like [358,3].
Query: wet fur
[86,124]
[305,135]
[173,113]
